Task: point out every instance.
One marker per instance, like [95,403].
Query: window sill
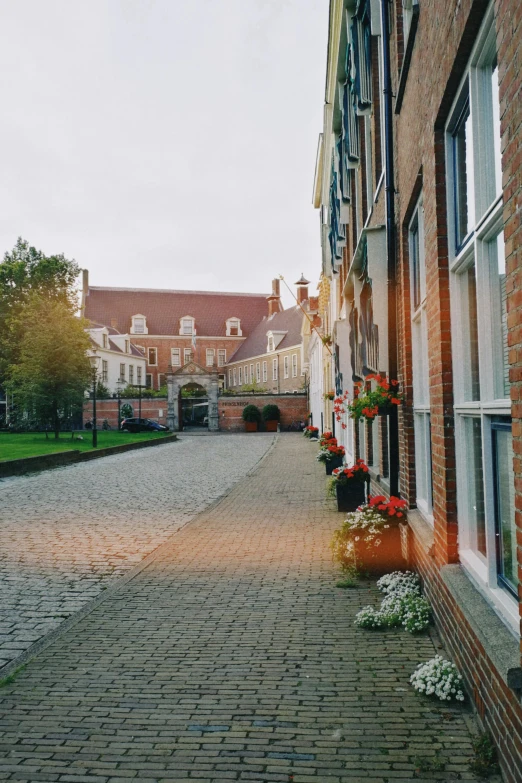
[422,530]
[407,58]
[499,643]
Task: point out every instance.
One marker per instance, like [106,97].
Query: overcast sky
[164,143]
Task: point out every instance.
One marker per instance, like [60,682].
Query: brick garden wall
[108,409]
[293,407]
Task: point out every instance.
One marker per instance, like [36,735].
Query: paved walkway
[233,657]
[67,534]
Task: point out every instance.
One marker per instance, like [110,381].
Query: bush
[251,413]
[126,410]
[440,678]
[102,392]
[271,413]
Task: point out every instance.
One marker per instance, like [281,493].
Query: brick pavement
[233,657]
[67,534]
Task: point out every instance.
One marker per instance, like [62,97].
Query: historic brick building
[418,179]
[174,326]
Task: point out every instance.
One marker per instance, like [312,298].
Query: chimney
[85,289]
[302,289]
[274,300]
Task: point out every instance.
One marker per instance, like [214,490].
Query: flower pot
[330,464]
[379,560]
[250,426]
[351,495]
[271,426]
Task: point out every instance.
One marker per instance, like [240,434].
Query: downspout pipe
[391,243]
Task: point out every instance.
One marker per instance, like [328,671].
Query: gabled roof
[289,321]
[164,308]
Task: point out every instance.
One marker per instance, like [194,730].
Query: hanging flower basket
[378,401]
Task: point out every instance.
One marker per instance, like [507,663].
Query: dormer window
[271,345]
[105,340]
[234,327]
[139,324]
[186,326]
[127,346]
[274,338]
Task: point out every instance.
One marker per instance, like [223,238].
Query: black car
[142,425]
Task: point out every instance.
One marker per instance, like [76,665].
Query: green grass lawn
[32,444]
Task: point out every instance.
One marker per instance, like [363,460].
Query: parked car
[142,425]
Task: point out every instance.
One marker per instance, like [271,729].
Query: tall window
[234,375]
[187,326]
[245,373]
[258,372]
[265,372]
[139,375]
[131,374]
[251,373]
[274,369]
[294,365]
[285,367]
[175,357]
[222,357]
[187,355]
[148,380]
[105,340]
[484,447]
[153,356]
[421,388]
[105,370]
[122,371]
[240,375]
[210,357]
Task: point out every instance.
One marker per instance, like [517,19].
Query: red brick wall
[293,407]
[108,409]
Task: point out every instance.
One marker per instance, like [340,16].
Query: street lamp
[94,360]
[120,383]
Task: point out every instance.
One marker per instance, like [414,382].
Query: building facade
[121,363]
[172,328]
[418,186]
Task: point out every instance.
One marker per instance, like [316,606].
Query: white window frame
[234,375]
[142,328]
[286,367]
[122,371]
[186,326]
[209,357]
[240,375]
[187,355]
[131,374]
[265,372]
[294,365]
[251,373]
[258,372]
[105,371]
[234,324]
[175,357]
[148,380]
[139,375]
[421,384]
[484,226]
[245,373]
[222,357]
[155,363]
[275,368]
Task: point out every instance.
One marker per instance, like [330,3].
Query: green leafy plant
[126,410]
[251,413]
[102,391]
[271,413]
[485,762]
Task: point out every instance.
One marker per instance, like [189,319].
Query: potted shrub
[271,415]
[369,539]
[326,436]
[251,417]
[349,485]
[332,455]
[311,432]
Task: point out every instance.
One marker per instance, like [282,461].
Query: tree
[52,370]
[24,273]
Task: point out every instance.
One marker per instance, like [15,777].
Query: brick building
[274,356]
[418,182]
[174,326]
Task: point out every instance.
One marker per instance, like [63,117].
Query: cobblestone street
[66,534]
[232,656]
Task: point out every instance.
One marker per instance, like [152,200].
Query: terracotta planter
[351,495]
[382,559]
[250,426]
[330,464]
[271,426]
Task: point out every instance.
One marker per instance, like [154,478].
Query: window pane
[475,482]
[473,334]
[500,337]
[496,130]
[505,497]
[463,174]
[415,265]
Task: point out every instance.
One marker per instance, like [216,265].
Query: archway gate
[192,373]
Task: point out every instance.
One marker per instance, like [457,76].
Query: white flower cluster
[399,583]
[440,678]
[403,605]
